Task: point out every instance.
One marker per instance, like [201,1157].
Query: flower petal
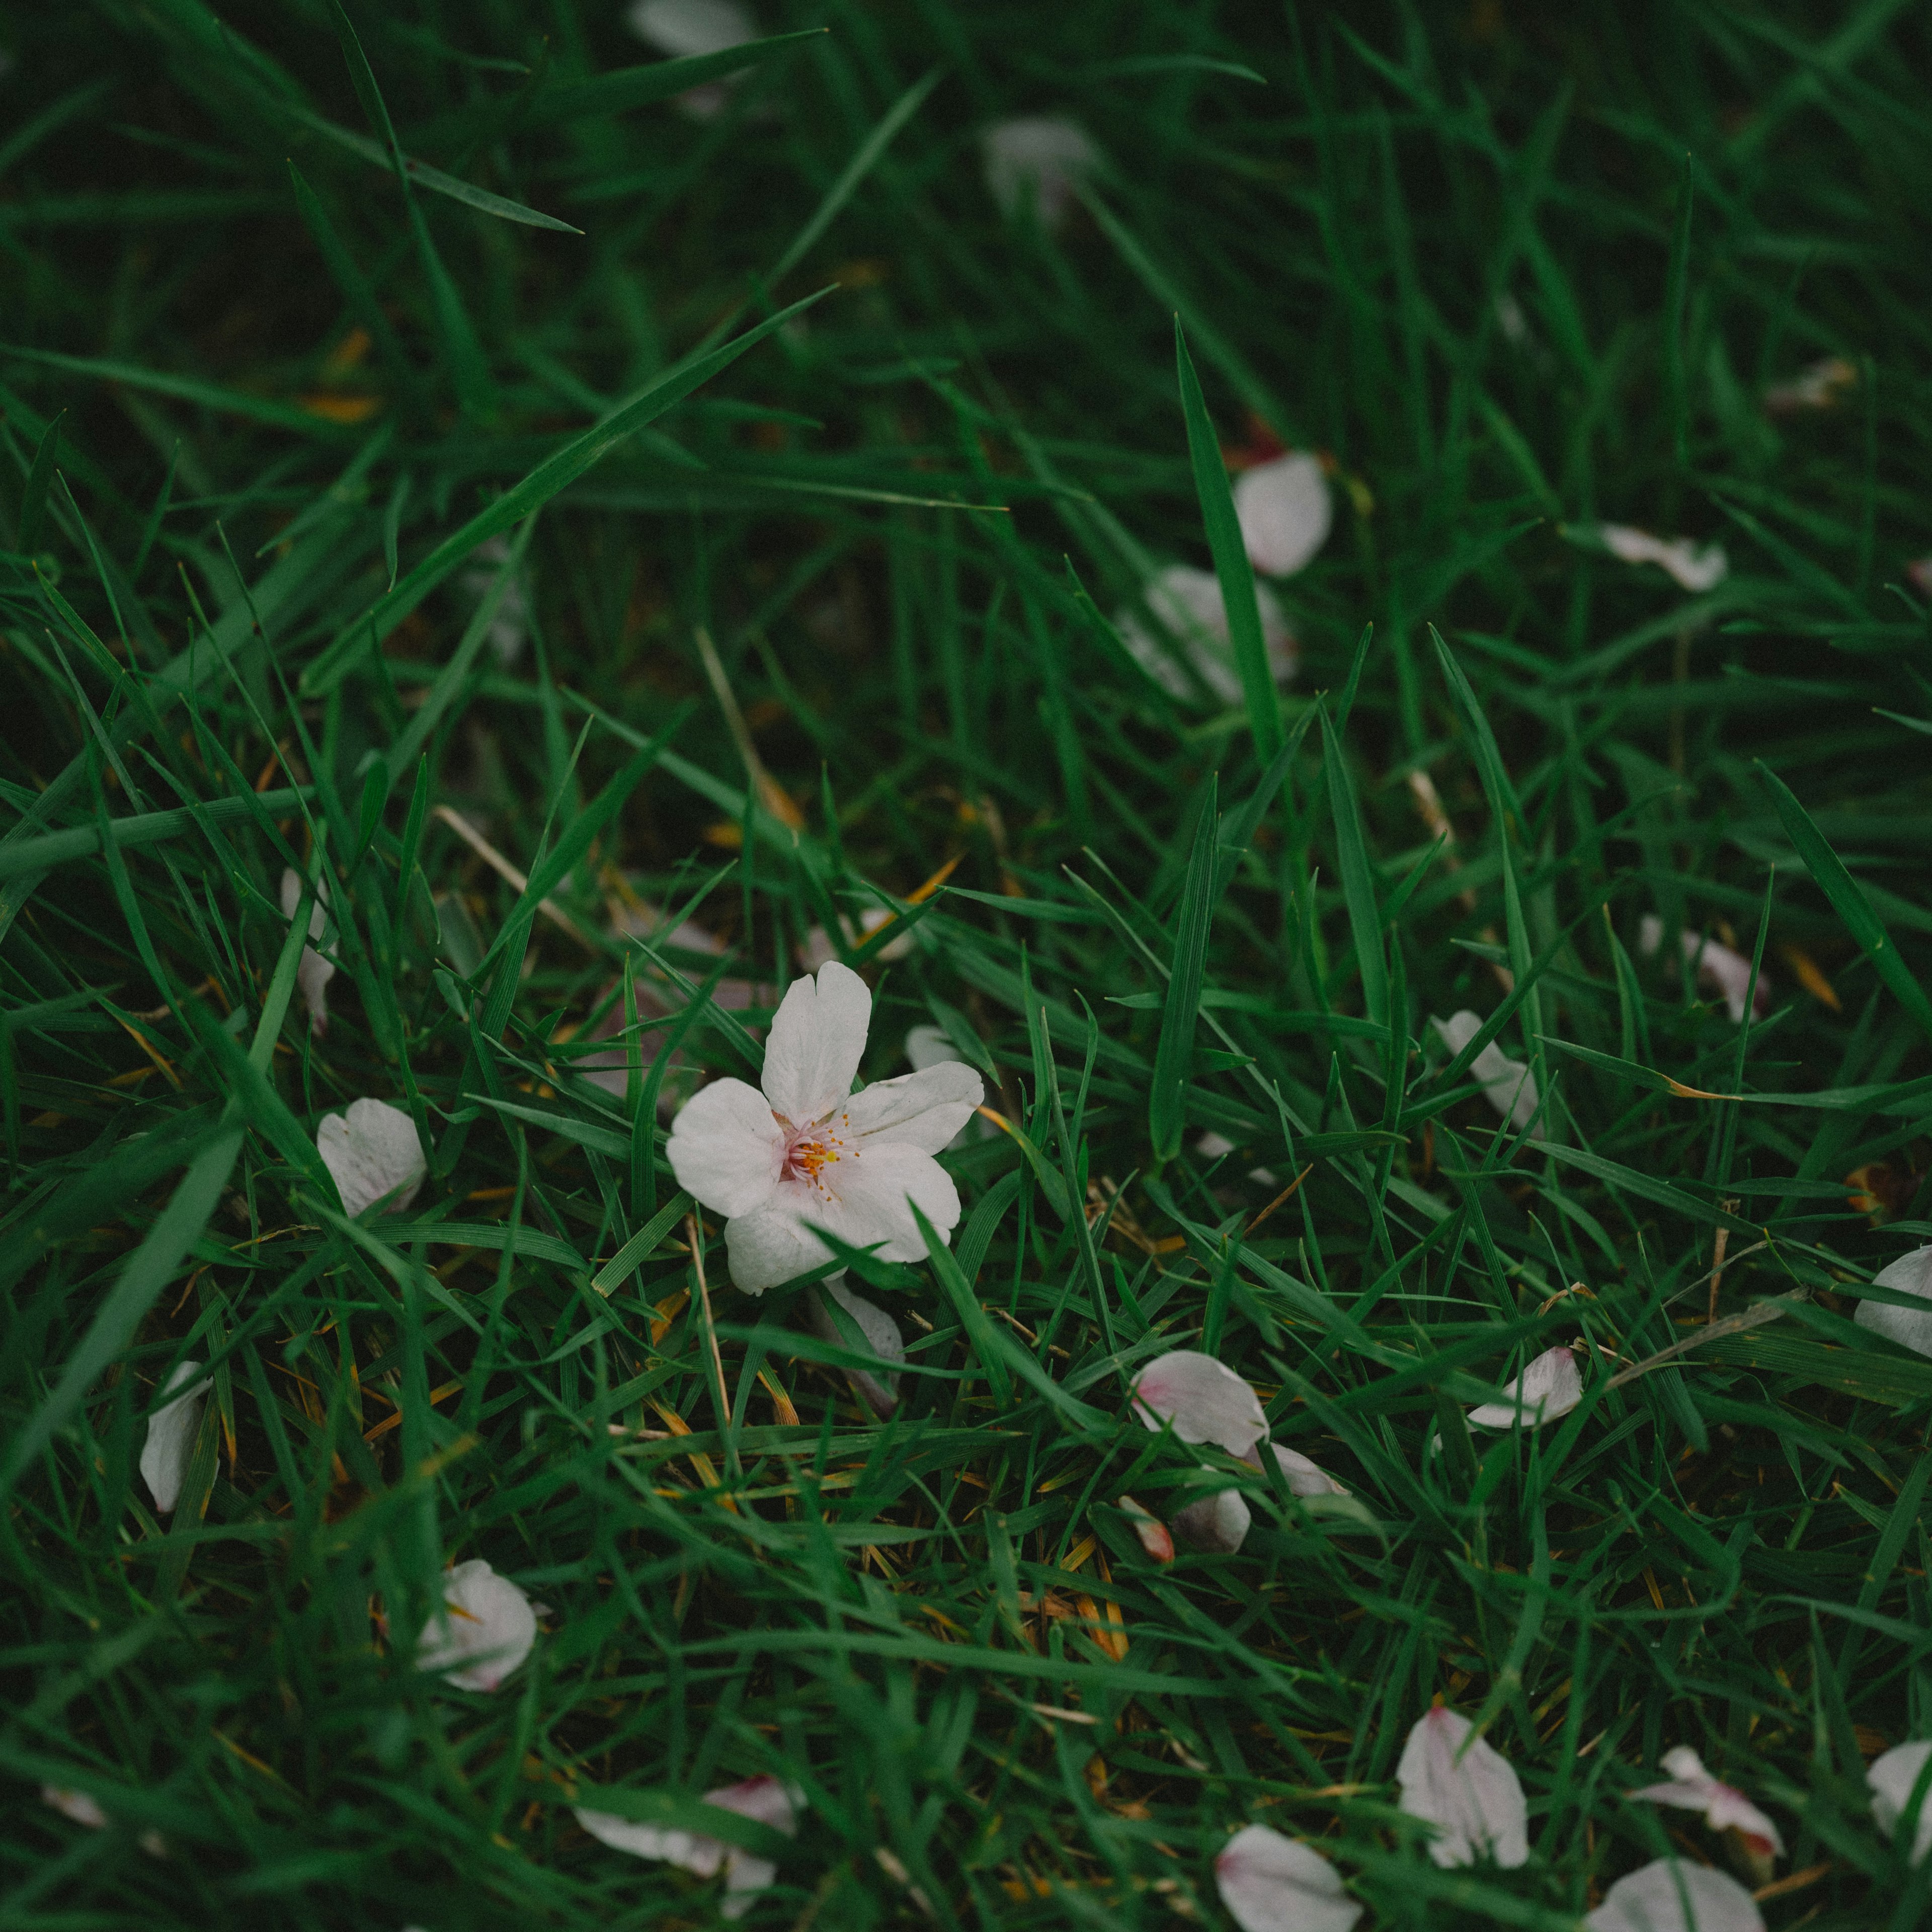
[1151,1530]
[1910,1274]
[1219,1523]
[770,1802]
[80,1806]
[1305,1478]
[313,972]
[484,1630]
[1204,1400]
[1719,969]
[1725,1808]
[1466,1788]
[879,1393]
[1891,1777]
[872,1201]
[1551,1386]
[372,1150]
[725,1148]
[1284,512]
[1189,605]
[1272,1884]
[683,27]
[1508,1085]
[691,1849]
[1040,158]
[922,1110]
[1672,1895]
[171,1433]
[817,1038]
[771,1244]
[1695,568]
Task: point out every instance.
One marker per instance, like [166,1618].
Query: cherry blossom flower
[1284,512]
[1892,1777]
[818,948]
[1910,1274]
[1188,603]
[483,1631]
[682,28]
[1549,1387]
[1669,1895]
[172,1429]
[808,1149]
[1270,1883]
[511,625]
[313,970]
[1719,969]
[764,1799]
[1205,1401]
[1696,568]
[880,1394]
[1692,1788]
[372,1150]
[1464,1786]
[80,1806]
[1508,1085]
[1041,158]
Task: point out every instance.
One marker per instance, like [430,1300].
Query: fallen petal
[313,972]
[1692,1788]
[1892,1778]
[1204,1400]
[1151,1530]
[1465,1787]
[879,1393]
[1041,158]
[1695,568]
[1670,1895]
[1910,1274]
[484,1630]
[1508,1085]
[1285,513]
[78,1805]
[1550,1386]
[767,1800]
[1305,1478]
[1719,969]
[1218,1524]
[372,1150]
[172,1429]
[1270,1883]
[1189,605]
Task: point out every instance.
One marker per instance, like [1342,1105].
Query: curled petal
[1305,1478]
[1910,1274]
[313,971]
[879,1393]
[1204,1400]
[1218,1524]
[725,1148]
[484,1630]
[1893,1777]
[767,1800]
[1463,1786]
[1151,1530]
[372,1150]
[817,1037]
[1670,1895]
[1189,607]
[1719,969]
[1508,1085]
[922,1110]
[1272,1884]
[1041,158]
[1696,568]
[80,1806]
[1285,513]
[171,1433]
[1551,1386]
[1692,1788]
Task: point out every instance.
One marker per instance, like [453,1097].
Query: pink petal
[816,1040]
[1285,513]
[1725,1808]
[1151,1530]
[725,1147]
[1653,1899]
[1463,1786]
[1204,1400]
[1549,1387]
[1270,1883]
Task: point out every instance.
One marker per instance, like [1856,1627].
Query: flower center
[810,1150]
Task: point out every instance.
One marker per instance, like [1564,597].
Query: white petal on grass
[1270,1883]
[483,1631]
[1721,969]
[313,971]
[1284,512]
[879,1393]
[1042,158]
[1673,1895]
[728,1140]
[1304,1478]
[1549,1387]
[1465,1787]
[1219,1524]
[931,1046]
[1188,603]
[511,625]
[817,1039]
[1821,385]
[1891,1777]
[817,949]
[1910,1274]
[83,1808]
[1696,567]
[764,1799]
[372,1149]
[680,27]
[171,1433]
[1692,1788]
[1508,1085]
[1204,1398]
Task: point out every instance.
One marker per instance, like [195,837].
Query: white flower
[1284,512]
[817,949]
[1464,1786]
[1891,1777]
[682,28]
[882,1336]
[1655,1898]
[78,1805]
[1910,1274]
[1693,1789]
[313,971]
[171,1434]
[1041,158]
[511,625]
[1508,1085]
[764,1799]
[1272,1884]
[1720,970]
[1549,1387]
[483,1631]
[372,1149]
[1188,603]
[1206,1402]
[809,1150]
[1694,567]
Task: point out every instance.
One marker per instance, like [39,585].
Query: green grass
[1519,270]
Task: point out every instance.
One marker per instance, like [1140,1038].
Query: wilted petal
[1272,1884]
[313,972]
[1285,513]
[1551,1386]
[1696,568]
[1692,1788]
[725,1148]
[1508,1085]
[171,1433]
[1672,1895]
[1467,1789]
[879,1393]
[1219,1524]
[371,1150]
[1040,158]
[1204,1400]
[484,1630]
[923,1110]
[817,1039]
[1151,1530]
[1892,1777]
[78,1805]
[1189,604]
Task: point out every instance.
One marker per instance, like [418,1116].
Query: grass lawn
[580,521]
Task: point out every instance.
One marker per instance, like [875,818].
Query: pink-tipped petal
[1204,1398]
[1153,1533]
[1270,1883]
[1465,1788]
[1673,1895]
[1692,1788]
[1551,1386]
